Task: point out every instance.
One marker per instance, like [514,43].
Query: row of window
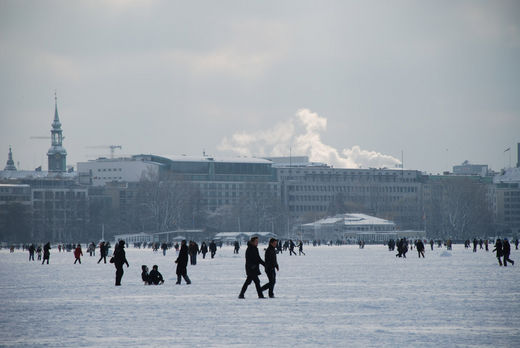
[59,195]
[363,189]
[109,170]
[14,198]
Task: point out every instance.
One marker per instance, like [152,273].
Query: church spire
[56,124]
[10,163]
[56,155]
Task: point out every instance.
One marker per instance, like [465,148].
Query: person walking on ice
[78,253]
[119,259]
[271,266]
[506,251]
[182,264]
[253,262]
[46,252]
[420,248]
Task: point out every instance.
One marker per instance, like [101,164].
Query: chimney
[518,155]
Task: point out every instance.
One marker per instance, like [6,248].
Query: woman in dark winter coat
[119,259]
[182,264]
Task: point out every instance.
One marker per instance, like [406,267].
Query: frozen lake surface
[333,296]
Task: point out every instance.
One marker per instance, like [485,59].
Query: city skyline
[167,78]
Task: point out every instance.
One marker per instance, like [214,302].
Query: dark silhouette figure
[182,264]
[271,266]
[92,249]
[253,262]
[103,251]
[203,249]
[31,252]
[78,253]
[193,250]
[516,244]
[46,252]
[164,247]
[237,247]
[431,244]
[475,242]
[155,277]
[291,248]
[506,251]
[402,248]
[300,248]
[119,259]
[144,275]
[420,248]
[212,248]
[498,249]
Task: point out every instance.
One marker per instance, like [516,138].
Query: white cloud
[302,134]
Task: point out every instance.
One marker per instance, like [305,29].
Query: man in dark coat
[271,266]
[31,252]
[253,262]
[119,259]
[498,249]
[506,251]
[203,249]
[182,264]
[212,248]
[103,252]
[155,277]
[46,252]
[420,248]
[193,250]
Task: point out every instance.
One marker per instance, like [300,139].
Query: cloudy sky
[352,83]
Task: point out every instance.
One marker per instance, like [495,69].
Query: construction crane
[111,147]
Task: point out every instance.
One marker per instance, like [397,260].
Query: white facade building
[103,170]
[354,227]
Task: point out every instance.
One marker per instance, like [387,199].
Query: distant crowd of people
[188,251]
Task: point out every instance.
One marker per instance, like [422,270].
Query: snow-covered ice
[335,296]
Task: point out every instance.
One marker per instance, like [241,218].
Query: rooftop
[353,219]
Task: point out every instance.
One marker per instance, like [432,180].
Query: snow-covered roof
[236,234]
[511,175]
[182,158]
[353,219]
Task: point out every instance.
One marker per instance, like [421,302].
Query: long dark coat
[182,260]
[253,260]
[270,259]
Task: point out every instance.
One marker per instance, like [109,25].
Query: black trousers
[254,279]
[31,256]
[212,254]
[507,259]
[185,276]
[77,260]
[271,275]
[119,274]
[102,258]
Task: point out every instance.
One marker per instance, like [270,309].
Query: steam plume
[303,133]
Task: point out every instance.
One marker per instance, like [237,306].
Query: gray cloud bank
[437,79]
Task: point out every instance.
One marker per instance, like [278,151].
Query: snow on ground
[334,296]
